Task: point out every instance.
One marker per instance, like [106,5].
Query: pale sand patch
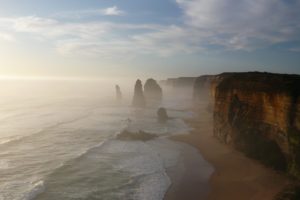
[236,177]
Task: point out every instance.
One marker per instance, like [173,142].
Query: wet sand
[236,177]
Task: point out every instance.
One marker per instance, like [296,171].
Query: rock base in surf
[141,135]
[162,115]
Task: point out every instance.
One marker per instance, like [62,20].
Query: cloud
[243,24]
[113,11]
[110,11]
[97,38]
[7,37]
[54,29]
[224,24]
[33,24]
[162,41]
[297,49]
[168,41]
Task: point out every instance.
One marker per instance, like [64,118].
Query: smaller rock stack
[118,93]
[162,115]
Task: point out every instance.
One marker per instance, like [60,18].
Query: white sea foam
[22,190]
[4,164]
[147,162]
[153,187]
[36,189]
[9,139]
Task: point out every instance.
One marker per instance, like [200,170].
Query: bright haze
[139,38]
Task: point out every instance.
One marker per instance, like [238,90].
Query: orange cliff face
[259,114]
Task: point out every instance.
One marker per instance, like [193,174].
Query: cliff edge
[259,114]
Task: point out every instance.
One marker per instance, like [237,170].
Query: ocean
[58,142]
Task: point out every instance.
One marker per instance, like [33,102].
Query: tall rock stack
[138,97]
[153,91]
[118,93]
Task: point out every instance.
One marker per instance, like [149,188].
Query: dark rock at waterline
[162,115]
[291,192]
[153,91]
[138,97]
[141,135]
[118,93]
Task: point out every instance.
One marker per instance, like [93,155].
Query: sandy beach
[236,177]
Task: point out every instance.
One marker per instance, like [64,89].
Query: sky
[142,38]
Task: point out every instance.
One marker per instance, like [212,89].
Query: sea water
[58,141]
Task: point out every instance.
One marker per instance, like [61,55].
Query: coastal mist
[150,100]
[83,139]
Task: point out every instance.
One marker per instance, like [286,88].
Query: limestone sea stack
[138,97]
[153,92]
[162,115]
[118,93]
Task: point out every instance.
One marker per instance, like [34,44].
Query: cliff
[202,92]
[259,114]
[179,82]
[202,87]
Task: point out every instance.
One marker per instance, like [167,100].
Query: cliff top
[261,82]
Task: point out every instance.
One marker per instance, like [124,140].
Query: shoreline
[190,177]
[235,176]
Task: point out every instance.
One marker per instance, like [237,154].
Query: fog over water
[58,141]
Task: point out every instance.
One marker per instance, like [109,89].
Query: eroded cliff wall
[179,82]
[259,114]
[202,87]
[202,92]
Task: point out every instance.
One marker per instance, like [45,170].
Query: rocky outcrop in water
[162,115]
[141,135]
[138,96]
[118,93]
[259,114]
[152,91]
